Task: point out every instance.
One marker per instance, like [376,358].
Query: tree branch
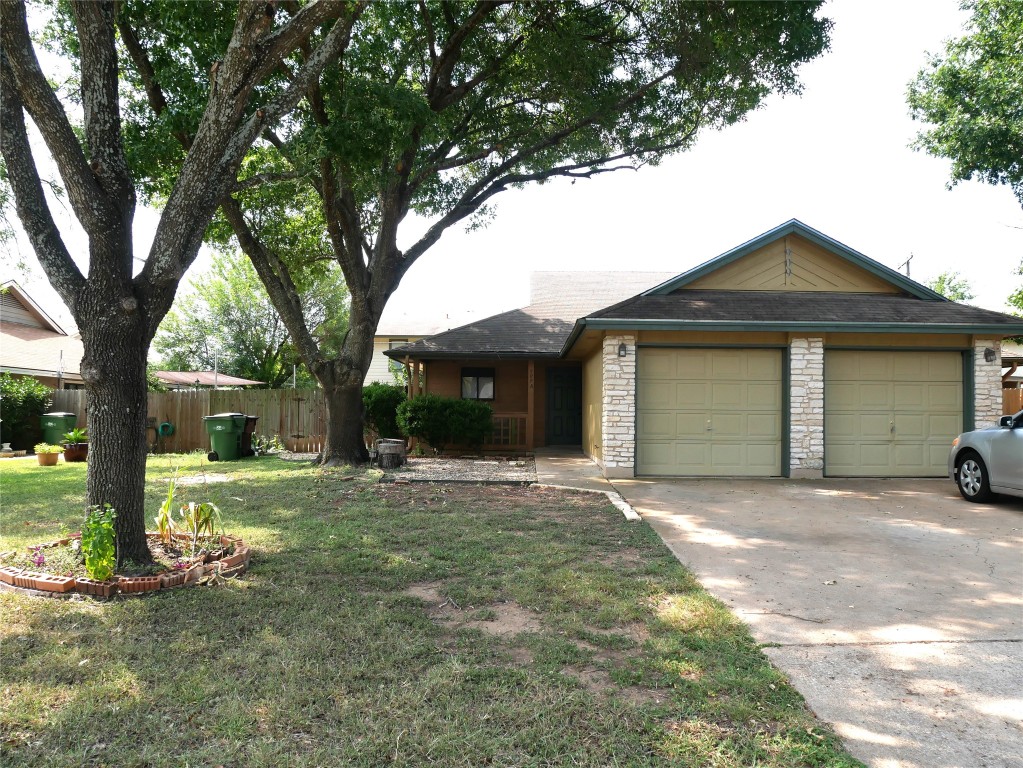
[277,279]
[30,200]
[39,100]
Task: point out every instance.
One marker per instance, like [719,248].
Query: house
[397,328]
[196,379]
[33,344]
[790,355]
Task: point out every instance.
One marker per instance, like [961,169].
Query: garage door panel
[656,395]
[945,396]
[872,426]
[730,396]
[766,396]
[763,456]
[763,425]
[735,392]
[728,425]
[657,364]
[691,395]
[655,424]
[867,393]
[690,425]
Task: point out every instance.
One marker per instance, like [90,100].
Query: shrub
[380,403]
[22,401]
[442,421]
[98,542]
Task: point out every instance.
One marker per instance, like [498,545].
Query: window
[477,383]
[396,366]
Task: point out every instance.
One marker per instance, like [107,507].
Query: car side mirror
[1007,421]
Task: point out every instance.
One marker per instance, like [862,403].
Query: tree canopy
[971,96]
[227,320]
[952,285]
[437,107]
[261,58]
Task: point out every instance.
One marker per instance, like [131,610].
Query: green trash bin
[55,424]
[225,431]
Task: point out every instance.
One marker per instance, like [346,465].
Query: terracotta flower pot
[96,588]
[76,451]
[47,459]
[138,583]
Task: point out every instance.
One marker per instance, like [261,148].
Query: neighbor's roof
[205,379]
[33,351]
[540,329]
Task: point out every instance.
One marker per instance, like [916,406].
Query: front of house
[791,355]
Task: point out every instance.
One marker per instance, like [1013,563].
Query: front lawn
[390,624]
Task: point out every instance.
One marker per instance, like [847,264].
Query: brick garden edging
[48,585]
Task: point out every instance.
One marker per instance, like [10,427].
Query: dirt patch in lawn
[509,618]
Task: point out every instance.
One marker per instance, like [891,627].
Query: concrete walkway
[569,468]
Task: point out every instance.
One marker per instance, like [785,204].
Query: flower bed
[230,558]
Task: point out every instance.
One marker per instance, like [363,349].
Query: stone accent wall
[806,408]
[618,412]
[987,384]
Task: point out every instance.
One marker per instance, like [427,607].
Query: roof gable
[795,257]
[17,307]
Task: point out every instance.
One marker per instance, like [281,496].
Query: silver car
[989,461]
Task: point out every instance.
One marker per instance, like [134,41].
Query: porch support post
[417,389]
[408,378]
[530,401]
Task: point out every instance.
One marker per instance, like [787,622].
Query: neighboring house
[398,329]
[791,355]
[196,379]
[33,344]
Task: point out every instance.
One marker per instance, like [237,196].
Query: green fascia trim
[802,325]
[413,355]
[794,226]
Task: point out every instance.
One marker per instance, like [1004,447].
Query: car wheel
[972,480]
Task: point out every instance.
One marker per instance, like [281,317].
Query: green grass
[391,624]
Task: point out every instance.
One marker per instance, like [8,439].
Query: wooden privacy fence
[1012,401]
[297,415]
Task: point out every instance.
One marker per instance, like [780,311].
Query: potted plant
[47,454]
[76,445]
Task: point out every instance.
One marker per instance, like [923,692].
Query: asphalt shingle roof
[801,306]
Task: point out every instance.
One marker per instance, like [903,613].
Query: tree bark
[114,370]
[345,444]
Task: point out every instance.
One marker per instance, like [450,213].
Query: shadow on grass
[320,656]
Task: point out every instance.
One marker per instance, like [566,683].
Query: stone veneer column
[618,410]
[806,408]
[987,384]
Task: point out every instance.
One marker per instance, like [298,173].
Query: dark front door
[564,406]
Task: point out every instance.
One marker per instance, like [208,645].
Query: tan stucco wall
[593,397]
[711,338]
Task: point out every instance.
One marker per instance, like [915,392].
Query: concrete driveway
[895,607]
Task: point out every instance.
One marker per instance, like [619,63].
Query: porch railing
[509,431]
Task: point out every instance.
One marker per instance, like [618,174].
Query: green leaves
[971,96]
[98,542]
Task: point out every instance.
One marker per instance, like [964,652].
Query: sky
[837,158]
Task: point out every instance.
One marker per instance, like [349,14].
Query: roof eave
[476,355]
[801,325]
[794,226]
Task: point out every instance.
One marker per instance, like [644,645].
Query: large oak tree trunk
[114,370]
[345,443]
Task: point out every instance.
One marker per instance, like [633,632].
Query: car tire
[972,479]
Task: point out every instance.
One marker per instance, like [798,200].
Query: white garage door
[891,414]
[706,412]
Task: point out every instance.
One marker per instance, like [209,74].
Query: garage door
[705,412]
[891,414]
